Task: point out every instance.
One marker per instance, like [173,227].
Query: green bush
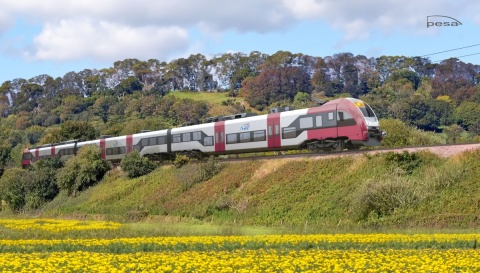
[40,183]
[82,171]
[181,160]
[191,174]
[12,190]
[135,165]
[381,198]
[408,162]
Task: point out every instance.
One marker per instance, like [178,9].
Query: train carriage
[338,124]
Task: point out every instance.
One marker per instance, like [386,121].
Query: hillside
[419,190]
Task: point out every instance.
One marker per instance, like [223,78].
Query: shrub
[408,162]
[40,183]
[382,198]
[12,190]
[191,174]
[181,160]
[83,170]
[135,165]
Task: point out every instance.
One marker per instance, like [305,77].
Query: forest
[134,95]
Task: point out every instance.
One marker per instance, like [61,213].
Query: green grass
[212,97]
[384,191]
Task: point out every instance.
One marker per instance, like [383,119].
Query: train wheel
[339,146]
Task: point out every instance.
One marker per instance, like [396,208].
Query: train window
[222,137]
[306,122]
[318,121]
[176,139]
[196,136]
[269,131]
[330,116]
[115,151]
[344,119]
[232,138]
[369,111]
[245,137]
[186,137]
[277,129]
[144,142]
[289,132]
[216,137]
[152,141]
[109,151]
[208,141]
[259,135]
[122,150]
[343,116]
[161,140]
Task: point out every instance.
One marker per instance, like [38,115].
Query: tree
[428,114]
[40,183]
[409,75]
[453,133]
[275,85]
[135,165]
[79,130]
[82,171]
[188,111]
[28,98]
[12,190]
[128,86]
[467,115]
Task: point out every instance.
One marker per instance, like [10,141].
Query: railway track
[443,150]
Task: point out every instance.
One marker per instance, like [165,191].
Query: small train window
[330,116]
[161,140]
[319,121]
[186,137]
[196,136]
[152,141]
[245,137]
[289,132]
[232,138]
[208,141]
[259,136]
[306,122]
[176,139]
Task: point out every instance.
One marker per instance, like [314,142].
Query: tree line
[134,95]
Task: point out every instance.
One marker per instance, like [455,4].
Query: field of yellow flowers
[46,248]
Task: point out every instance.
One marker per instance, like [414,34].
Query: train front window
[366,110]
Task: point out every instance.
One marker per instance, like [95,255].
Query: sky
[55,37]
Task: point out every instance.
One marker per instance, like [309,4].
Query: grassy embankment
[389,190]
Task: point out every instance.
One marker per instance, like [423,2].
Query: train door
[129,143]
[219,136]
[273,130]
[102,148]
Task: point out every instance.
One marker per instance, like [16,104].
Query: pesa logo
[446,21]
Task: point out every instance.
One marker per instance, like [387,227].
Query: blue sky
[55,37]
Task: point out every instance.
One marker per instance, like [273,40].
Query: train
[345,123]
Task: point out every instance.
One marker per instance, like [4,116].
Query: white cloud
[83,39]
[114,29]
[357,19]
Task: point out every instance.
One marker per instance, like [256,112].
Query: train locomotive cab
[26,158]
[372,135]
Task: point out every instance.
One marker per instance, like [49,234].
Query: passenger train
[344,123]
